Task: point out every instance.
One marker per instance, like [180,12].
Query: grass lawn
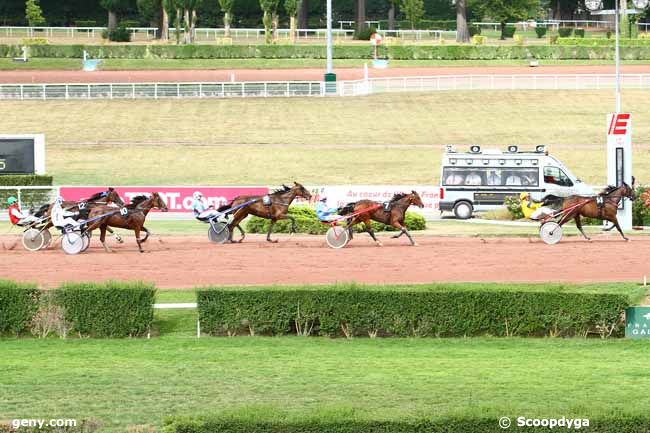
[381,139]
[137,381]
[179,64]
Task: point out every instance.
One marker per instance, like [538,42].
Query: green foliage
[501,11]
[85,23]
[18,303]
[307,222]
[115,5]
[119,34]
[111,309]
[292,7]
[418,311]
[365,34]
[28,198]
[508,31]
[226,5]
[540,31]
[33,13]
[602,42]
[640,209]
[579,33]
[565,32]
[474,30]
[414,11]
[35,41]
[514,207]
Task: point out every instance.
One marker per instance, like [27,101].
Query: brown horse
[603,207]
[136,214]
[275,209]
[394,216]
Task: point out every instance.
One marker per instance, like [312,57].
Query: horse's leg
[237,218]
[293,223]
[241,230]
[618,227]
[579,225]
[118,238]
[146,234]
[268,234]
[102,237]
[371,232]
[136,229]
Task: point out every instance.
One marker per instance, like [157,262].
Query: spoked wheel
[218,232]
[86,240]
[550,232]
[72,243]
[48,238]
[337,237]
[33,240]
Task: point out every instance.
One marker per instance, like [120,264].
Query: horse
[589,207]
[276,209]
[136,214]
[394,216]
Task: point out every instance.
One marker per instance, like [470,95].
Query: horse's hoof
[394,237]
[415,244]
[379,244]
[627,240]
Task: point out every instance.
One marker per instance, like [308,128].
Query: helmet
[59,200]
[197,195]
[523,195]
[11,200]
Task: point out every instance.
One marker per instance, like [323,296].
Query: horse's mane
[97,196]
[281,190]
[137,200]
[608,190]
[398,196]
[41,210]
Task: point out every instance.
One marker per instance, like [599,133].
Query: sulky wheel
[33,240]
[86,241]
[337,237]
[48,239]
[72,243]
[218,232]
[550,232]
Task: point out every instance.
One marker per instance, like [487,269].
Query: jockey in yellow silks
[531,209]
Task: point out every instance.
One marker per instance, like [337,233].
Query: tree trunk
[163,24]
[292,29]
[303,15]
[275,18]
[391,16]
[192,25]
[178,25]
[361,15]
[462,32]
[188,35]
[112,20]
[503,31]
[267,27]
[226,24]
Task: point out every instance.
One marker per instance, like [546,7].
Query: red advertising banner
[177,198]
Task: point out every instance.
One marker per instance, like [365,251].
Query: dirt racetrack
[184,261]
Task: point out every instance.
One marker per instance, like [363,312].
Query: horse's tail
[347,209]
[225,206]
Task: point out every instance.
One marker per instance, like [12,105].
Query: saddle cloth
[266,200]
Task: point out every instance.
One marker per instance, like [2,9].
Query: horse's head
[628,191]
[301,191]
[113,197]
[158,203]
[414,199]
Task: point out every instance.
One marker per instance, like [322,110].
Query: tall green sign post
[637,322]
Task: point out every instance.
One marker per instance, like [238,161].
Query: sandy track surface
[181,262]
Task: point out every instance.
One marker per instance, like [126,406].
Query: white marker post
[619,160]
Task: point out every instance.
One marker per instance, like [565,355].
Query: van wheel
[463,210]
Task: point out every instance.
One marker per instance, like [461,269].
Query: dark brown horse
[394,216]
[275,209]
[136,214]
[603,207]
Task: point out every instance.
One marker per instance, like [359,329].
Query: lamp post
[619,133]
[330,76]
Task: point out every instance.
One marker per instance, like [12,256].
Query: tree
[414,11]
[186,14]
[392,4]
[33,13]
[303,15]
[269,7]
[155,11]
[114,7]
[462,32]
[226,8]
[292,7]
[361,15]
[502,11]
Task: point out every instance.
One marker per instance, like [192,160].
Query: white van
[481,180]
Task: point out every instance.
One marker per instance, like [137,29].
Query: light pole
[330,76]
[619,133]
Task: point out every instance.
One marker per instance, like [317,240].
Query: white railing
[70,32]
[23,196]
[317,88]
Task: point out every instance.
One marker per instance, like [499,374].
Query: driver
[202,212]
[325,213]
[17,216]
[60,216]
[533,210]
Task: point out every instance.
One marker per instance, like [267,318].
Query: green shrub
[307,222]
[85,23]
[415,311]
[579,33]
[509,31]
[111,309]
[540,31]
[18,303]
[130,23]
[565,32]
[118,34]
[474,30]
[364,35]
[514,207]
[553,39]
[640,210]
[28,198]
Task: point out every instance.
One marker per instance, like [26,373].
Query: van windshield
[489,176]
[556,176]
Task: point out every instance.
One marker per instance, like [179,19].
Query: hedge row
[27,197]
[18,303]
[409,52]
[445,425]
[110,309]
[409,312]
[307,222]
[603,42]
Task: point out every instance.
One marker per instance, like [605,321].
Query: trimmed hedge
[216,424]
[307,222]
[18,303]
[563,51]
[27,197]
[417,311]
[111,309]
[603,42]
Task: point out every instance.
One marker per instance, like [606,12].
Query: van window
[556,176]
[489,176]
